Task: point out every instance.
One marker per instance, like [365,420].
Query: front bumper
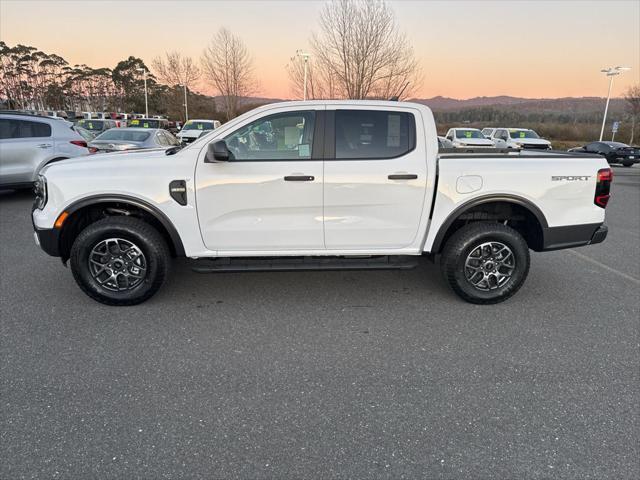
[49,240]
[557,238]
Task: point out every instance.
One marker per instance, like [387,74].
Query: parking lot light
[186,110]
[146,98]
[610,72]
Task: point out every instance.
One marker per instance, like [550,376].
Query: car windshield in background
[91,124]
[124,135]
[198,126]
[469,134]
[523,134]
[616,144]
[144,123]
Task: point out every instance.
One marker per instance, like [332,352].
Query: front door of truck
[268,197]
[374,178]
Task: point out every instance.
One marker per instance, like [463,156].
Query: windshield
[144,123]
[523,134]
[124,134]
[91,124]
[469,133]
[196,125]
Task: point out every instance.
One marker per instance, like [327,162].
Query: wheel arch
[83,212]
[495,207]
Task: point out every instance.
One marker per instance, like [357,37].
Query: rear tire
[485,263]
[120,261]
[627,164]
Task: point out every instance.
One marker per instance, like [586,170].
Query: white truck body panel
[244,208]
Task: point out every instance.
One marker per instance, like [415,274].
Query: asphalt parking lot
[325,374]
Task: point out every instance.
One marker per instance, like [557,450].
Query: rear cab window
[373,134]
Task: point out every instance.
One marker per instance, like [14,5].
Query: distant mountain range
[567,104]
[574,105]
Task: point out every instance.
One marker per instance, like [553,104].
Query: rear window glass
[373,134]
[144,123]
[124,134]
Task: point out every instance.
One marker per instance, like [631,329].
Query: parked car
[28,142]
[467,137]
[444,142]
[120,139]
[518,138]
[84,133]
[148,123]
[334,185]
[192,129]
[614,152]
[97,126]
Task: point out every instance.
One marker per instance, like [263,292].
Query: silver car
[119,139]
[29,142]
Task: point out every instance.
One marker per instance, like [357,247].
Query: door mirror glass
[217,152]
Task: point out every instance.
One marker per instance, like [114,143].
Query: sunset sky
[538,48]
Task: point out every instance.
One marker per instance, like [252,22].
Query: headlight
[40,192]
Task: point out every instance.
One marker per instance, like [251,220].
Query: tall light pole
[305,57]
[146,97]
[610,72]
[186,110]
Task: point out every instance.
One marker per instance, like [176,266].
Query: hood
[106,159]
[191,133]
[480,142]
[531,141]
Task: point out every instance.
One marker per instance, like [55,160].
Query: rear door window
[373,134]
[27,129]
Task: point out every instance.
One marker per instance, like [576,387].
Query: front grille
[535,147]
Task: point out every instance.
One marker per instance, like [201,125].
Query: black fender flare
[136,202]
[474,202]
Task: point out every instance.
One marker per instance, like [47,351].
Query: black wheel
[627,164]
[120,260]
[485,263]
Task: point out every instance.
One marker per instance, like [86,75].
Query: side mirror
[217,152]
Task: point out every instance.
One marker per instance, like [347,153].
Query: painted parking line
[606,267]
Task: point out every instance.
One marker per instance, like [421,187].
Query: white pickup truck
[317,185]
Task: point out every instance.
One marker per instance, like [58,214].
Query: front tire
[627,164]
[120,261]
[485,263]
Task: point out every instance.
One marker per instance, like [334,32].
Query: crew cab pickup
[317,185]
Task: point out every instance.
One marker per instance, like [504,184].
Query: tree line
[357,52]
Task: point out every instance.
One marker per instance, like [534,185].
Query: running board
[286,264]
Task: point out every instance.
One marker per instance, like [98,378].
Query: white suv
[192,129]
[29,142]
[517,138]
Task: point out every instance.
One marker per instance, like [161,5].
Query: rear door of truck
[375,177]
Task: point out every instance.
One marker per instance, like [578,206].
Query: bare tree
[176,69]
[632,96]
[361,47]
[320,82]
[229,69]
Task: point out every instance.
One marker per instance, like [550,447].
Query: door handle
[403,176]
[44,145]
[299,178]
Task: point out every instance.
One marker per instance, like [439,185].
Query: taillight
[93,149]
[80,143]
[603,187]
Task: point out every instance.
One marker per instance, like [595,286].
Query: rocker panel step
[286,264]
